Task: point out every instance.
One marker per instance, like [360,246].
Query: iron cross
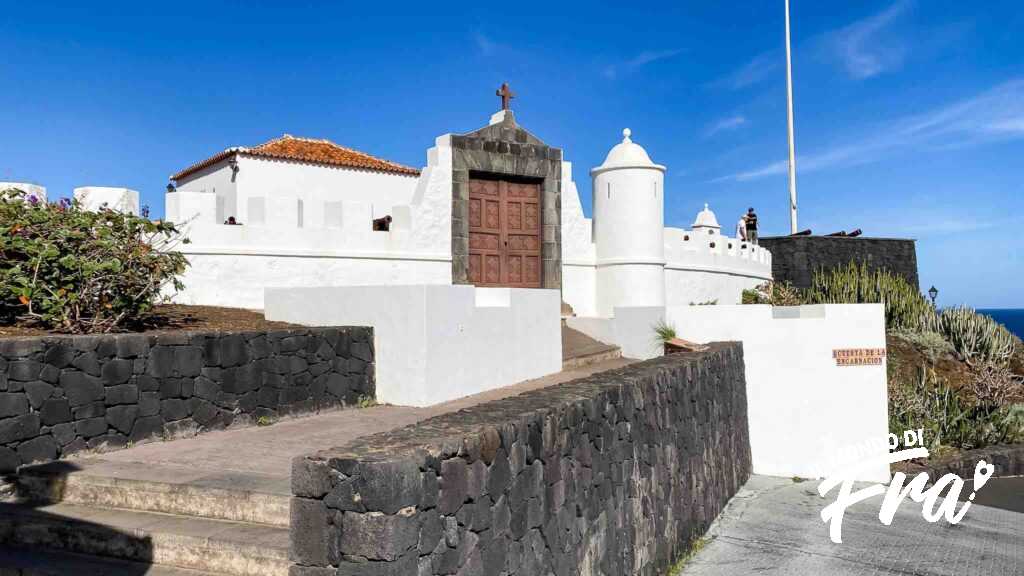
[505,94]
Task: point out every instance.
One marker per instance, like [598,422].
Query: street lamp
[933,292]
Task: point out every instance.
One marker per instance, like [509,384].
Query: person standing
[751,226]
[741,228]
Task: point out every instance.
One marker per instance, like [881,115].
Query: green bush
[774,293]
[73,270]
[932,344]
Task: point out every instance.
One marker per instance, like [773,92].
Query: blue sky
[910,114]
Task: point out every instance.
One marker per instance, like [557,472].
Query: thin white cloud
[994,115]
[644,58]
[725,125]
[750,73]
[484,44]
[864,48]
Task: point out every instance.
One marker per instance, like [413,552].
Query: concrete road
[773,527]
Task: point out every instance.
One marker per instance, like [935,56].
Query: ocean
[1012,318]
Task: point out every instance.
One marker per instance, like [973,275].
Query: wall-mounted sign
[858,356]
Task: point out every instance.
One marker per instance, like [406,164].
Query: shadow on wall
[25,522]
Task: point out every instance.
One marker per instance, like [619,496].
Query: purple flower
[65,203]
[145,211]
[33,200]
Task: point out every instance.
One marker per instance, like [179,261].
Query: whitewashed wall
[803,409]
[238,281]
[217,180]
[231,265]
[248,193]
[317,185]
[96,197]
[438,343]
[705,267]
[629,328]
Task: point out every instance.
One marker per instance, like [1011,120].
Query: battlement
[707,249]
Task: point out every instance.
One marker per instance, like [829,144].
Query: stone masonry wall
[62,394]
[615,474]
[796,258]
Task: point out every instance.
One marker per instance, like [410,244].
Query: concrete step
[580,350]
[217,546]
[26,562]
[153,488]
[591,359]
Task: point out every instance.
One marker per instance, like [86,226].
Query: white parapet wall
[97,197]
[808,415]
[631,329]
[436,343]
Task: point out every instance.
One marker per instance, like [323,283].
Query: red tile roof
[310,150]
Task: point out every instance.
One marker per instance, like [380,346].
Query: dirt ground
[906,359]
[173,317]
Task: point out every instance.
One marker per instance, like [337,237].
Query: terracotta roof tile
[311,150]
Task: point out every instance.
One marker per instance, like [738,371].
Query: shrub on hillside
[78,271]
[950,419]
[774,293]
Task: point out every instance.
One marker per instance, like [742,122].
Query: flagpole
[792,146]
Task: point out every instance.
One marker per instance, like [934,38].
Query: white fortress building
[304,214]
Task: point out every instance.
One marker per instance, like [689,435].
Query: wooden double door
[504,233]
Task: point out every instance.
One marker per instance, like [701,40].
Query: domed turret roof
[627,154]
[706,219]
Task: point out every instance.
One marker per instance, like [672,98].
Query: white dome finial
[706,219]
[627,154]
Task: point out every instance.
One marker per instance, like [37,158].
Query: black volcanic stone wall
[62,394]
[796,258]
[614,474]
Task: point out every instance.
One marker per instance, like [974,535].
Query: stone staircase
[580,350]
[82,517]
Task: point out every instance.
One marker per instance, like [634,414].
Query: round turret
[629,228]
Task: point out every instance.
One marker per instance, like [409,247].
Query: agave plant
[664,332]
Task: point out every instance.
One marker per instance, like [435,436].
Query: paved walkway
[773,527]
[259,458]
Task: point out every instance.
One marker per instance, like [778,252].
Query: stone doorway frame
[503,149]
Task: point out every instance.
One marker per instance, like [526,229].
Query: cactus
[905,307]
[976,337]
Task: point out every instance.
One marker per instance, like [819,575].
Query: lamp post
[933,292]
